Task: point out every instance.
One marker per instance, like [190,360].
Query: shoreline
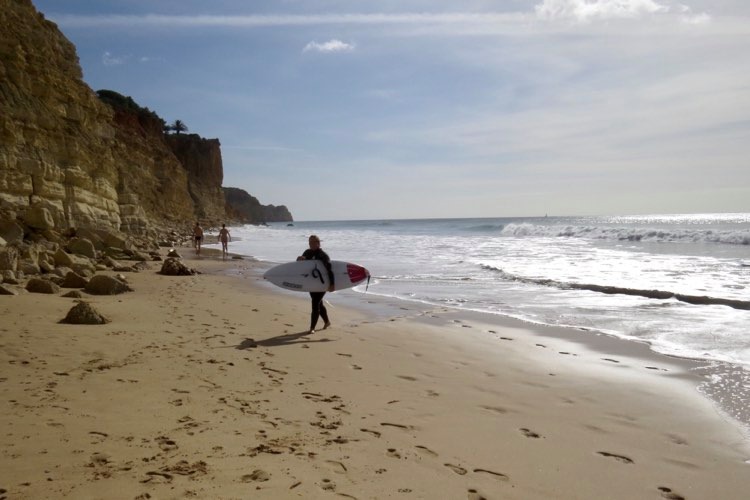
[208,387]
[721,382]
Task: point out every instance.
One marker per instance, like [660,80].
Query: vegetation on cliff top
[126,103]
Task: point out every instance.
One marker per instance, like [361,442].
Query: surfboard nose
[357,273]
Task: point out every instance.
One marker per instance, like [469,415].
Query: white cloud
[588,10]
[110,60]
[329,46]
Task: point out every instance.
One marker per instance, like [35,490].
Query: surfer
[197,237]
[318,309]
[225,238]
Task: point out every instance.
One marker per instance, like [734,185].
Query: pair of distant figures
[224,238]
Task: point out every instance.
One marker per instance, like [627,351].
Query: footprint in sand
[475,495]
[407,377]
[337,467]
[498,475]
[393,453]
[610,360]
[356,367]
[166,444]
[669,494]
[619,458]
[529,433]
[328,485]
[258,476]
[426,450]
[496,409]
[457,469]
[677,439]
[374,433]
[400,426]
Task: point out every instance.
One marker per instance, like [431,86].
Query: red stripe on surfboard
[356,273]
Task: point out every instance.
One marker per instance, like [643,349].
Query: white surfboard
[312,276]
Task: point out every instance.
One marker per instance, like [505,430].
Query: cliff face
[201,159]
[152,185]
[56,135]
[88,162]
[248,209]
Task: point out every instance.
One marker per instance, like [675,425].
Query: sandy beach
[208,387]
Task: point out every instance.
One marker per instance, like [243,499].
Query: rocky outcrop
[241,205]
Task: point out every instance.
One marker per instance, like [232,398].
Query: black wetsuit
[318,309]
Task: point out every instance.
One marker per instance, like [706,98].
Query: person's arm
[327,263]
[305,255]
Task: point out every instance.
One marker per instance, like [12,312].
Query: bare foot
[326,325]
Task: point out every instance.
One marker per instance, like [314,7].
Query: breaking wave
[611,290]
[737,237]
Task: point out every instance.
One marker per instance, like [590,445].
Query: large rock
[38,285]
[84,314]
[11,232]
[6,290]
[173,267]
[82,246]
[102,284]
[74,280]
[8,259]
[29,267]
[9,277]
[91,235]
[81,265]
[39,218]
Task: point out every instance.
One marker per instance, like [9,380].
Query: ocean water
[682,281]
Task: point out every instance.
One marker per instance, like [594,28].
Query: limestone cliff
[56,135]
[152,184]
[90,162]
[247,208]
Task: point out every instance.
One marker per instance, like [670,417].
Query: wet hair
[314,237]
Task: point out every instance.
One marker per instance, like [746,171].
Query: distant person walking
[225,238]
[318,309]
[197,238]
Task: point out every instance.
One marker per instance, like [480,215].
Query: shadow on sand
[280,340]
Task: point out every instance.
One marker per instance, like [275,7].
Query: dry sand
[207,387]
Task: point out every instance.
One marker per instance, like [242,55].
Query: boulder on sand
[74,280]
[84,314]
[173,267]
[106,285]
[39,285]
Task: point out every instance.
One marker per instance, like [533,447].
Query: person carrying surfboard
[318,309]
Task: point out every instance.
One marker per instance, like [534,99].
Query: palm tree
[178,127]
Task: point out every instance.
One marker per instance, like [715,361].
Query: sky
[352,109]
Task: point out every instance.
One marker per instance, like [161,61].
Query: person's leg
[317,299]
[324,313]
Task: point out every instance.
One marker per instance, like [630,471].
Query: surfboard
[312,276]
